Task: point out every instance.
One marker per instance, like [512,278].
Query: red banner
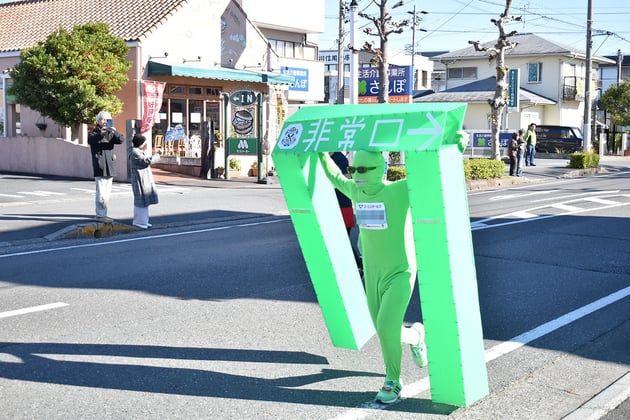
[152,102]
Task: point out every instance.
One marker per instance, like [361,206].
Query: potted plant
[235,168]
[253,170]
[218,138]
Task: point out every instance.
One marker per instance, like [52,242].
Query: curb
[604,402]
[91,230]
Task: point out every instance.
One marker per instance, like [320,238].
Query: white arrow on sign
[436,130]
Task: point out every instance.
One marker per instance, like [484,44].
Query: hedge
[473,169]
[582,160]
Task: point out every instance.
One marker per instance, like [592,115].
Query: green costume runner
[387,246]
[434,194]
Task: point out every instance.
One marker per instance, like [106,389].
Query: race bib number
[371,215]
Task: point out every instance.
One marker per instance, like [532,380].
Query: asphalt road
[218,317]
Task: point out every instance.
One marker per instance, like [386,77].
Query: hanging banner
[152,102]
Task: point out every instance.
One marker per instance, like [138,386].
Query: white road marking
[141,238]
[601,201]
[529,215]
[39,193]
[11,196]
[412,390]
[524,214]
[32,309]
[576,195]
[565,207]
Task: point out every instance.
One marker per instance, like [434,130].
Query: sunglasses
[360,169]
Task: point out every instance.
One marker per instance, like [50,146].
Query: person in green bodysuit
[389,262]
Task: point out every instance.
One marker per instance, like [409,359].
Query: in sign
[243,97]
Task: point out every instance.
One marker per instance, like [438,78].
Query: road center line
[39,308]
[412,390]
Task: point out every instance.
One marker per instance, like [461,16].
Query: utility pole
[619,60]
[340,52]
[414,24]
[587,82]
[354,56]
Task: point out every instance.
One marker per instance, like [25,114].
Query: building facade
[551,78]
[202,50]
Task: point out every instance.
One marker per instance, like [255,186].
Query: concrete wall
[47,156]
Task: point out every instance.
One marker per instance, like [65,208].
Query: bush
[473,169]
[483,168]
[582,160]
[394,173]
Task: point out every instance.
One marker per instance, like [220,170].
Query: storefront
[193,95]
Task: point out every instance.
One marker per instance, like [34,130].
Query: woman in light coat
[142,184]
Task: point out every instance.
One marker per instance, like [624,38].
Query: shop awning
[219,73]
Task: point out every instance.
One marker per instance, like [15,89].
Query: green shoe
[419,351]
[389,393]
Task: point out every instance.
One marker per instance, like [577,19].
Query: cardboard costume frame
[426,133]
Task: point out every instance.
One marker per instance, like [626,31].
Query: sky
[450,24]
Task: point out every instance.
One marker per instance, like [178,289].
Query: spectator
[530,139]
[142,184]
[512,152]
[521,153]
[102,139]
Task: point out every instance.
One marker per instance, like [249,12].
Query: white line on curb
[32,309]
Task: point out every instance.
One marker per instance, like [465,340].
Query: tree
[497,53]
[383,27]
[616,100]
[72,75]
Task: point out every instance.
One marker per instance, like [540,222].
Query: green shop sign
[243,146]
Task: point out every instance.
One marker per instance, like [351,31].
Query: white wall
[195,30]
[306,16]
[40,155]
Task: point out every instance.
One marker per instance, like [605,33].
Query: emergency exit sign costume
[432,200]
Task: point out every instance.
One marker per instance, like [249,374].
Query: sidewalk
[173,178]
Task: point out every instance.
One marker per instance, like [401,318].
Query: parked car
[558,139]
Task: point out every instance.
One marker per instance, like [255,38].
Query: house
[551,78]
[201,50]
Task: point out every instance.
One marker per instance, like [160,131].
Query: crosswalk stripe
[602,201]
[524,214]
[39,193]
[565,207]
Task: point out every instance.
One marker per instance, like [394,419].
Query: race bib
[371,215]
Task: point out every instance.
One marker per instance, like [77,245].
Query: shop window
[195,91]
[213,91]
[177,90]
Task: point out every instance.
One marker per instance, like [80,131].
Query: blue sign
[484,139]
[175,133]
[514,86]
[301,78]
[399,81]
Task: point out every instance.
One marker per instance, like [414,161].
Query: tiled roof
[527,45]
[24,23]
[480,91]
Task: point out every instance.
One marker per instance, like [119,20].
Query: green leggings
[387,300]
